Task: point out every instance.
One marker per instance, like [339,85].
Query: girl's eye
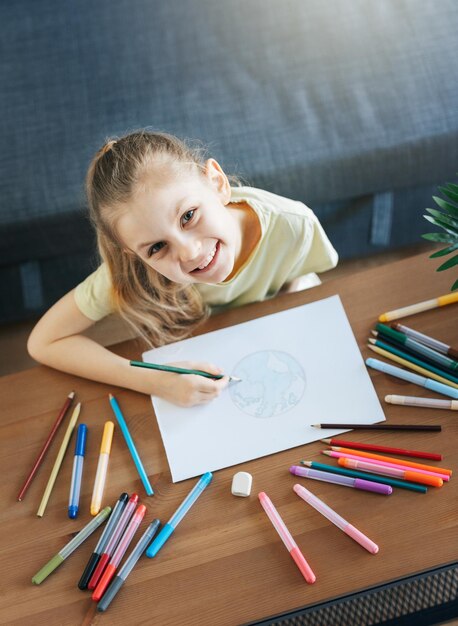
[187,217]
[155,248]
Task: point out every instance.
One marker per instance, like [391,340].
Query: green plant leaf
[446,206]
[448,264]
[454,286]
[437,222]
[439,237]
[444,219]
[450,193]
[444,251]
[452,186]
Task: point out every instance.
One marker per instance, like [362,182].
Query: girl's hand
[191,389]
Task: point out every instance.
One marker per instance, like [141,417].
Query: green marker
[71,546]
[182,370]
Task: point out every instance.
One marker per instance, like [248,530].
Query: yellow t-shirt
[292,243]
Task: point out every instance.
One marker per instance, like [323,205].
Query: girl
[175,238]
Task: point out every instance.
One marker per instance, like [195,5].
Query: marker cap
[81,435]
[157,543]
[303,566]
[104,582]
[92,584]
[110,593]
[107,438]
[88,570]
[358,536]
[50,566]
[72,511]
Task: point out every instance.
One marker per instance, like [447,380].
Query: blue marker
[181,511]
[131,445]
[75,486]
[428,383]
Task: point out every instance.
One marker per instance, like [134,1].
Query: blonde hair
[159,310]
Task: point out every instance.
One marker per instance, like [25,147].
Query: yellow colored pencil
[59,459]
[412,366]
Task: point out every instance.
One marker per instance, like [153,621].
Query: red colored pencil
[368,446]
[46,445]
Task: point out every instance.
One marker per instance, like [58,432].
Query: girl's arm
[56,341]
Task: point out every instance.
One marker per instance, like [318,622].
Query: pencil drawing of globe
[272,383]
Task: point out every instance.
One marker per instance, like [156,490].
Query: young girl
[175,239]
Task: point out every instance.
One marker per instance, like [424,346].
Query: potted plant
[447,219]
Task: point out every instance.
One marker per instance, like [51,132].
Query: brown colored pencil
[46,445]
[429,427]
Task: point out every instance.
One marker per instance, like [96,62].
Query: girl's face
[183,229]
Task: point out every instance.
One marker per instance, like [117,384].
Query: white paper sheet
[299,367]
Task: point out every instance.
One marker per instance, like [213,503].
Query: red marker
[119,553]
[356,445]
[114,540]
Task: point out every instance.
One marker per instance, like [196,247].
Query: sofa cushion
[325,102]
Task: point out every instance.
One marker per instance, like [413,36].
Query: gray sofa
[347,105]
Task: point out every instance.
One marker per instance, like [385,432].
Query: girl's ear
[218,179]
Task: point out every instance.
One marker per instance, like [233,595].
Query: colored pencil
[393,354]
[426,340]
[380,457]
[402,484]
[417,347]
[430,403]
[47,443]
[449,298]
[426,427]
[357,445]
[182,370]
[131,445]
[59,459]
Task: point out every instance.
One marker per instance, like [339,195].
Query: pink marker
[119,552]
[286,537]
[407,468]
[336,519]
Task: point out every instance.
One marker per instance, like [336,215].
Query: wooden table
[225,564]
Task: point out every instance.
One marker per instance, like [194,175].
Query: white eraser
[241,484]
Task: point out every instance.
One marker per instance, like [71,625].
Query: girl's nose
[189,250]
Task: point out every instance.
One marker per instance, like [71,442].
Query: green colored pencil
[416,347]
[182,370]
[408,357]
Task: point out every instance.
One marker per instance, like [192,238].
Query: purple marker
[346,481]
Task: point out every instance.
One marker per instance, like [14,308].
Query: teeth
[208,260]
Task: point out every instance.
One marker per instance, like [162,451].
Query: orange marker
[373,468]
[380,457]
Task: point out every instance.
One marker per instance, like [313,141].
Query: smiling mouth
[208,262]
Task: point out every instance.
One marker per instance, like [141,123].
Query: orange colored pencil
[389,459]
